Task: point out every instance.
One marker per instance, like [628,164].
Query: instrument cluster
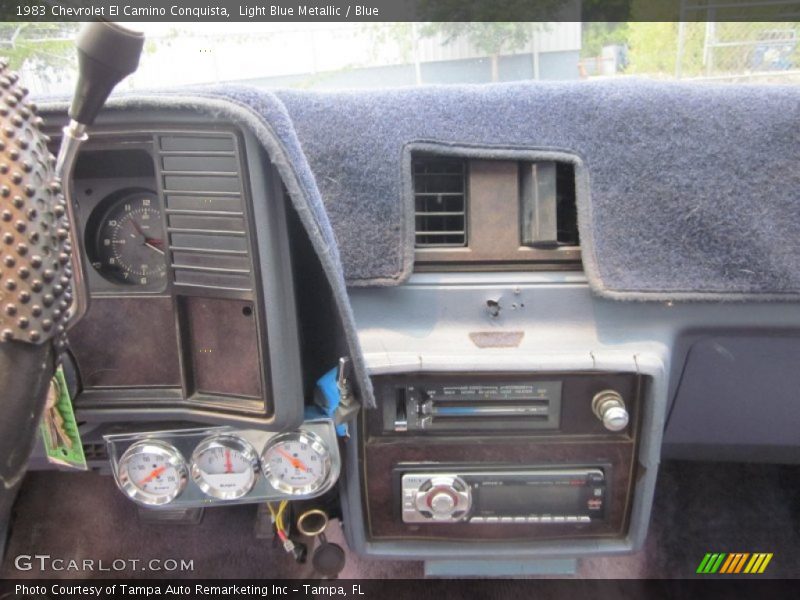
[192,468]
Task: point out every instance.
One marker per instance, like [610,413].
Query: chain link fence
[738,51]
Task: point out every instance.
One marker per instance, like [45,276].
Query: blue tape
[327,400]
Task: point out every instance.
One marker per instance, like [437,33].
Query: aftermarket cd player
[504,496]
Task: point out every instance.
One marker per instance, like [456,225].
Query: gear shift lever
[107,53]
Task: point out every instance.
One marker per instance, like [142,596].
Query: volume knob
[609,407]
[442,503]
[442,498]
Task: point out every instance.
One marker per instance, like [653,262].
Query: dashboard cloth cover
[685,191]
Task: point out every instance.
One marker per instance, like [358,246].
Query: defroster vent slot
[204,202]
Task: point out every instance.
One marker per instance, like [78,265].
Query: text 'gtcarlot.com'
[45,562]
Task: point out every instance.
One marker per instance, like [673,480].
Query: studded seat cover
[35,271]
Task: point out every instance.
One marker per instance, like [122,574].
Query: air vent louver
[548,213]
[205,217]
[440,197]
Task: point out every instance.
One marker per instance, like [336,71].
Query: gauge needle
[153,474]
[150,245]
[228,464]
[296,462]
[148,241]
[138,228]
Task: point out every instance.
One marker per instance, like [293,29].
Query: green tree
[653,47]
[41,46]
[478,22]
[493,39]
[595,36]
[400,34]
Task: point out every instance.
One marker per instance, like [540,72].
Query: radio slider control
[496,409]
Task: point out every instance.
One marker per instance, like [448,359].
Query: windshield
[370,55]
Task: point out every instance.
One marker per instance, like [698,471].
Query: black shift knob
[107,54]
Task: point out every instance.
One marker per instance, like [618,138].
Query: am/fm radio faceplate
[477,406]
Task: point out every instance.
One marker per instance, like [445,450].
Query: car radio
[461,456]
[485,405]
[504,496]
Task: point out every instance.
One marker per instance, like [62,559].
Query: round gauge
[224,466]
[152,472]
[297,463]
[126,239]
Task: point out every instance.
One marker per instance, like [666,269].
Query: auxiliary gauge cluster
[201,467]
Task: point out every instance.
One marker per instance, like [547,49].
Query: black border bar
[397,589]
[399,10]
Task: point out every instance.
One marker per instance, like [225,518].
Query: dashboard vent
[548,212]
[203,198]
[440,199]
[567,208]
[490,214]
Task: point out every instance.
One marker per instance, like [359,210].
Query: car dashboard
[438,337]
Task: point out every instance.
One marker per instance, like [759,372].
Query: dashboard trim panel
[272,294]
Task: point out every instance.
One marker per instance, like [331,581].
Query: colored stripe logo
[734,563]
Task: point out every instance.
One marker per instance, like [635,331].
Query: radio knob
[443,498]
[609,407]
[442,503]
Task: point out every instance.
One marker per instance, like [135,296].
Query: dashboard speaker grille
[440,202]
[203,197]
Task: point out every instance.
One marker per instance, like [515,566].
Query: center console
[488,456]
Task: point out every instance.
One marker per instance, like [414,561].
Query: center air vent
[440,197]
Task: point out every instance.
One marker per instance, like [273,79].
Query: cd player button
[519,519]
[477,520]
[585,519]
[492,519]
[572,519]
[442,503]
[546,519]
[559,519]
[506,519]
[532,519]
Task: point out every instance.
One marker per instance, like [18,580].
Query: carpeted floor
[700,507]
